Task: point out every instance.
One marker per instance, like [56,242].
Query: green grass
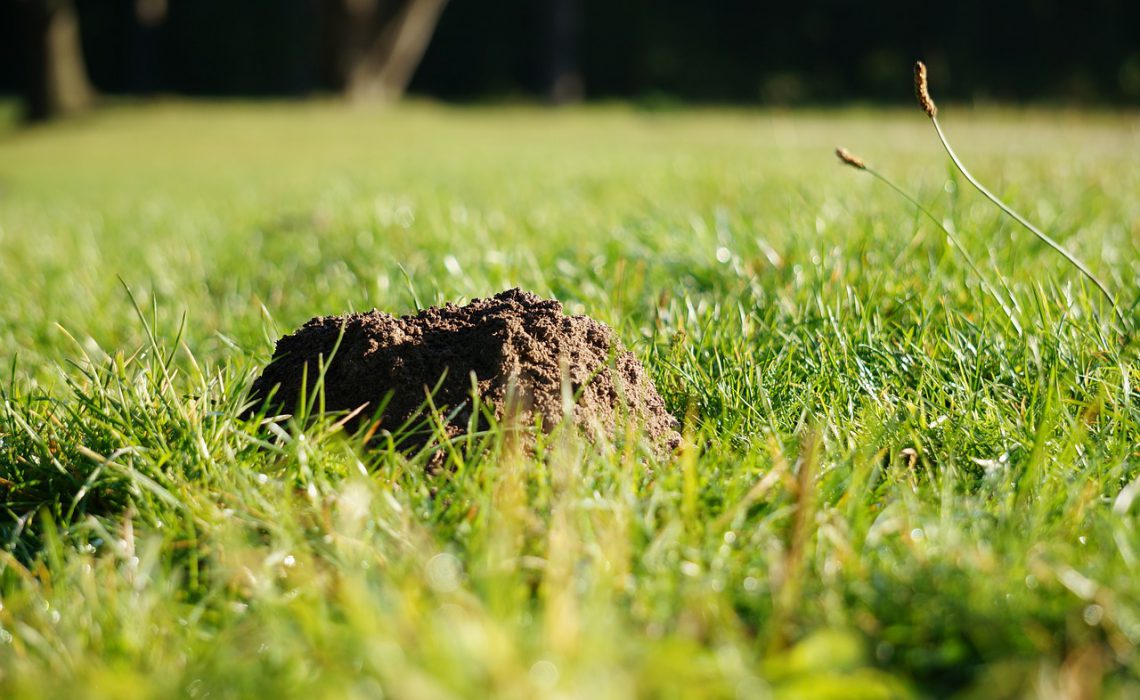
[891,487]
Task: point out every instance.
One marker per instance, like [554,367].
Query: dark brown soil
[517,345]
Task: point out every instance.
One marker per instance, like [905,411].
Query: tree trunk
[377,45]
[56,80]
[142,70]
[561,81]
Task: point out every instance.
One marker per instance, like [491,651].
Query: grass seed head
[850,158]
[922,90]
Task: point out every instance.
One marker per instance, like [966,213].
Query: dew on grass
[443,572]
[405,217]
[884,651]
[544,674]
[1093,614]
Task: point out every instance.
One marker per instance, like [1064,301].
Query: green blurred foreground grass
[891,487]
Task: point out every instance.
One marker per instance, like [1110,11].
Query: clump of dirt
[518,346]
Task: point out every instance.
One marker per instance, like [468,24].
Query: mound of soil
[518,346]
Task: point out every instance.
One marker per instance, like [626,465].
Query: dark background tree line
[739,51]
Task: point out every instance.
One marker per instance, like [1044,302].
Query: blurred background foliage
[733,51]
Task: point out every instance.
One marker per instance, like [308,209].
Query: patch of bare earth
[515,350]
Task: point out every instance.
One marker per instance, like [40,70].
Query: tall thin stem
[927,104]
[849,158]
[1048,240]
[953,241]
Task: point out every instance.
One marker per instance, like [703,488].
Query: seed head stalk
[922,93]
[858,163]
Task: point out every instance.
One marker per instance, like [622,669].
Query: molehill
[517,346]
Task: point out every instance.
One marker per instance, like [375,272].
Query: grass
[891,487]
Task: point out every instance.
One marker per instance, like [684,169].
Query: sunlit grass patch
[890,484]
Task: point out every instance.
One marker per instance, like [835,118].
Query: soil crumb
[513,350]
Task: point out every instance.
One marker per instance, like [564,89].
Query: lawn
[899,479]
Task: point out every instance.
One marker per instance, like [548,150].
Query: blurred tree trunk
[373,47]
[56,79]
[562,82]
[143,75]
